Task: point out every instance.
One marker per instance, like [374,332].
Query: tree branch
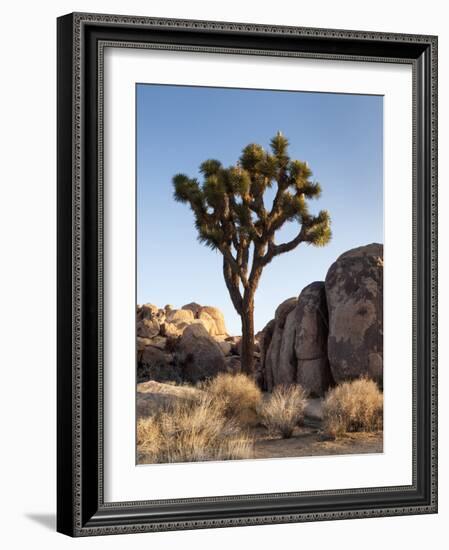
[276,209]
[275,250]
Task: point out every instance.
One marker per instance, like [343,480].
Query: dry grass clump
[190,431]
[283,409]
[148,436]
[355,406]
[238,394]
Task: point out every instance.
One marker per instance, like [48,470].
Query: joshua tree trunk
[247,352]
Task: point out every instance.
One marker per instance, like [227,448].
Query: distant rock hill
[331,332]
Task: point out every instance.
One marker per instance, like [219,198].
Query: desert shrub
[283,409]
[238,394]
[355,406]
[148,435]
[190,431]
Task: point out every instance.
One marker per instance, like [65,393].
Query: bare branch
[277,249]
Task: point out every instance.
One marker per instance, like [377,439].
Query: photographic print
[225,195]
[259,274]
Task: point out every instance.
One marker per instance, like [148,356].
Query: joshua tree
[231,216]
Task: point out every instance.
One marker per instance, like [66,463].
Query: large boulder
[198,355]
[213,314]
[311,322]
[273,376]
[354,290]
[286,367]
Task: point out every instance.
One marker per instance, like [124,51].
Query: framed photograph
[247,278]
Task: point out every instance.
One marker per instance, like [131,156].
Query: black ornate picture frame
[81,509]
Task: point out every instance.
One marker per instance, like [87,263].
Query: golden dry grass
[190,431]
[238,394]
[283,409]
[355,406]
[148,435]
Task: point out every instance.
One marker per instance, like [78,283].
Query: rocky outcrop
[333,331]
[169,322]
[311,321]
[187,344]
[294,343]
[198,355]
[354,291]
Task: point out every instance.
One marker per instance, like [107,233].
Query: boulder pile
[331,332]
[188,344]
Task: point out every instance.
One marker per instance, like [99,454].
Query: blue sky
[178,127]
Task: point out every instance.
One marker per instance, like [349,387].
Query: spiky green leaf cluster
[318,229]
[229,207]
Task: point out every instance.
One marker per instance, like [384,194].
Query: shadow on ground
[46,520]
